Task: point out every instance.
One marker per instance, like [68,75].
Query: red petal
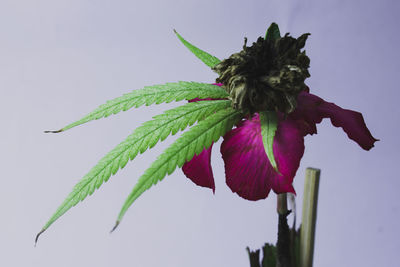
[312,109]
[247,168]
[199,169]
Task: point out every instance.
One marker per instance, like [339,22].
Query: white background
[61,59]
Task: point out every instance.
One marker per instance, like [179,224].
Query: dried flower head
[268,75]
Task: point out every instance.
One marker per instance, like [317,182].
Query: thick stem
[309,217]
[281,205]
[283,246]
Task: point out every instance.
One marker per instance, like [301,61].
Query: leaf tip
[58,131]
[115,227]
[277,169]
[39,234]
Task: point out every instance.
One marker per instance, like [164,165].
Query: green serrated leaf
[207,59]
[192,142]
[273,32]
[156,94]
[269,124]
[139,141]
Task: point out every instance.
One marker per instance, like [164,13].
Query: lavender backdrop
[60,59]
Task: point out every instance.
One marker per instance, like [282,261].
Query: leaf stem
[309,217]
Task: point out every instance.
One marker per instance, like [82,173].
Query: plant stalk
[281,206]
[283,246]
[309,217]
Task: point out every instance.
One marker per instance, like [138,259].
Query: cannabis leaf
[269,124]
[207,59]
[268,119]
[163,93]
[192,142]
[144,137]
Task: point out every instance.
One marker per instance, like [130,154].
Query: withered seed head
[268,75]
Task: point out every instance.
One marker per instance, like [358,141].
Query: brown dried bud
[268,75]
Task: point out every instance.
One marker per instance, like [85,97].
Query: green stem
[309,217]
[281,206]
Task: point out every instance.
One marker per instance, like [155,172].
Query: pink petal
[247,168]
[312,109]
[199,169]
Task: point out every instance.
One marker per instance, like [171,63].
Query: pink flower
[247,168]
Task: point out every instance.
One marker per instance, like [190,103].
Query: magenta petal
[199,169]
[247,168]
[313,109]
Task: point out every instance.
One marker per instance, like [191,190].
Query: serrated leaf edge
[155,94]
[205,57]
[228,116]
[208,106]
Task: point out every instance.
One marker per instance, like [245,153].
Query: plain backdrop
[61,59]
